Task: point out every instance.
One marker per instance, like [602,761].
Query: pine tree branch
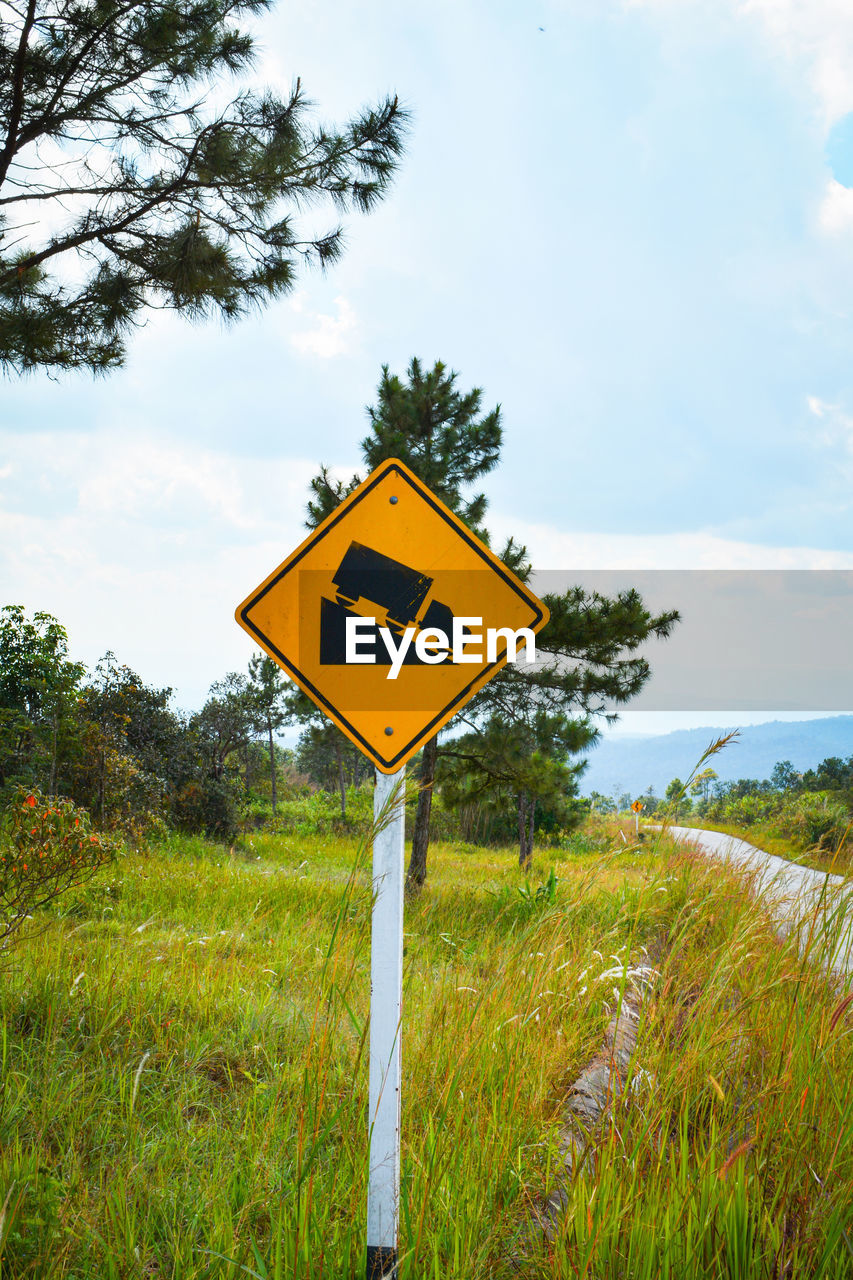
[112,20]
[17,103]
[100,232]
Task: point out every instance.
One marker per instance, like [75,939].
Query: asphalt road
[801,900]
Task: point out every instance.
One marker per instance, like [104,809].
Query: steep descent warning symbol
[392,594]
[391,615]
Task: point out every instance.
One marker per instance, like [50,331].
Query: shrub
[817,819]
[319,812]
[46,847]
[208,805]
[746,811]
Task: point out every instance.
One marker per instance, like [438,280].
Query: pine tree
[435,429]
[587,651]
[526,761]
[586,665]
[586,655]
[269,689]
[124,184]
[439,432]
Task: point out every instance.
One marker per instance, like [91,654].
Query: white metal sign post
[376,616]
[386,998]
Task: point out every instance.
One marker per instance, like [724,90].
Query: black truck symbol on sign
[369,584]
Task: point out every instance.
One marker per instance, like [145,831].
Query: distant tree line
[121,749]
[813,808]
[118,746]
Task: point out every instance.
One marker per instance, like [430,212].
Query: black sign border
[320,534]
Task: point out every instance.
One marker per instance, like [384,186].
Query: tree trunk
[417,872]
[52,783]
[521,800]
[272,770]
[342,785]
[525,843]
[531,829]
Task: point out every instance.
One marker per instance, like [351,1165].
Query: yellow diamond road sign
[391,615]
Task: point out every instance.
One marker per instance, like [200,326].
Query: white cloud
[146,546]
[836,426]
[125,478]
[818,34]
[330,336]
[835,215]
[552,549]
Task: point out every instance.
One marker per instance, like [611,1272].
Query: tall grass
[184,1069]
[731,1154]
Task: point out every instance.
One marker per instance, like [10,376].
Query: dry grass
[184,1072]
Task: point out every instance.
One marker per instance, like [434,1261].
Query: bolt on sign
[391,615]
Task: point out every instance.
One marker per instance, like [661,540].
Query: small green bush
[46,847]
[208,805]
[816,819]
[319,812]
[751,809]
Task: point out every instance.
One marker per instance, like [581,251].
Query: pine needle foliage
[437,430]
[129,180]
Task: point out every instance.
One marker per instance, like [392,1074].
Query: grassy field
[184,1048]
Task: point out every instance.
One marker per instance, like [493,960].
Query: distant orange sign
[391,615]
[637,807]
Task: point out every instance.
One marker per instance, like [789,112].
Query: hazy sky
[630,223]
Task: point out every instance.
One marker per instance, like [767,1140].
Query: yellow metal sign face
[356,613]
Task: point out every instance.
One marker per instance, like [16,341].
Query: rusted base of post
[381,1262]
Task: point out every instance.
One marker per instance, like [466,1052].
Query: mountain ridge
[635,763]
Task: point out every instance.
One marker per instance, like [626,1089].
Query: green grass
[184,1054]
